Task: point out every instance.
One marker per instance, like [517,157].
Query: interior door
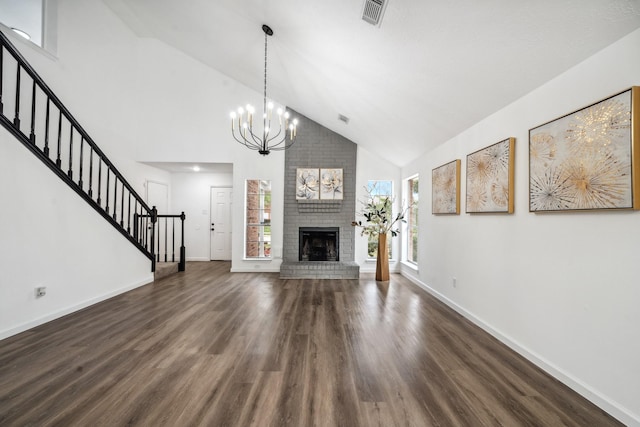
[221,203]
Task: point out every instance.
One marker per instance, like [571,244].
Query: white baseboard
[68,310]
[195,258]
[617,411]
[255,270]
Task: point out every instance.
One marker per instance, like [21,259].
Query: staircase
[36,117]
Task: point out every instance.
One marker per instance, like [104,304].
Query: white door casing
[221,203]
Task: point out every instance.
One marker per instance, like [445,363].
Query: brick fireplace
[318,147]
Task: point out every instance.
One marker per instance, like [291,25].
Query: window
[378,189]
[24,17]
[412,219]
[258,219]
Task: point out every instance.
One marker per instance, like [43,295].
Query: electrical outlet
[454,282]
[41,291]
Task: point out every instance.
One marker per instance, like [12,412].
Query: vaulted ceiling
[428,72]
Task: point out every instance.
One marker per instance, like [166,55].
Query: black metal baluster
[91,172]
[70,171]
[146,234]
[115,196]
[58,161]
[166,239]
[122,207]
[46,130]
[81,159]
[157,236]
[136,228]
[173,239]
[16,119]
[99,180]
[106,208]
[1,77]
[32,135]
[129,215]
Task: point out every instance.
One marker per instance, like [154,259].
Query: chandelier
[270,139]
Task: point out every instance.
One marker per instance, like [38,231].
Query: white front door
[221,203]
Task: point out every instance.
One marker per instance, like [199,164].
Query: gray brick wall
[318,147]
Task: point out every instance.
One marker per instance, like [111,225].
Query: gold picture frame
[445,189]
[589,159]
[490,178]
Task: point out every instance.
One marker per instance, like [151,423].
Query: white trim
[255,270]
[196,258]
[49,317]
[617,411]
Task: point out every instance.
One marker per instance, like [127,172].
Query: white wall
[52,238]
[373,167]
[144,101]
[192,193]
[562,288]
[184,117]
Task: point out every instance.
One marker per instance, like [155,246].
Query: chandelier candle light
[270,140]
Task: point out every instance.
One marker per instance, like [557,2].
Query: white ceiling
[431,70]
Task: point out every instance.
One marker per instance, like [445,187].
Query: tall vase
[382,262]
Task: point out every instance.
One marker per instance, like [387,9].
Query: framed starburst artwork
[490,178]
[587,159]
[307,184]
[445,189]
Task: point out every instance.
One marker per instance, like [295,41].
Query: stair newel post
[70,172]
[181,265]
[58,160]
[32,135]
[16,120]
[154,219]
[46,128]
[81,159]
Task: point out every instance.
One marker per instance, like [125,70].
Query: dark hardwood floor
[211,348]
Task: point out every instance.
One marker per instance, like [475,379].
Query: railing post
[154,219]
[182,263]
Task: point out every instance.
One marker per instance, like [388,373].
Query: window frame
[389,242]
[264,221]
[411,227]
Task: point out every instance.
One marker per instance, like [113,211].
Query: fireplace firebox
[319,244]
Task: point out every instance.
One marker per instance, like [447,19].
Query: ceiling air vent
[373,10]
[344,119]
